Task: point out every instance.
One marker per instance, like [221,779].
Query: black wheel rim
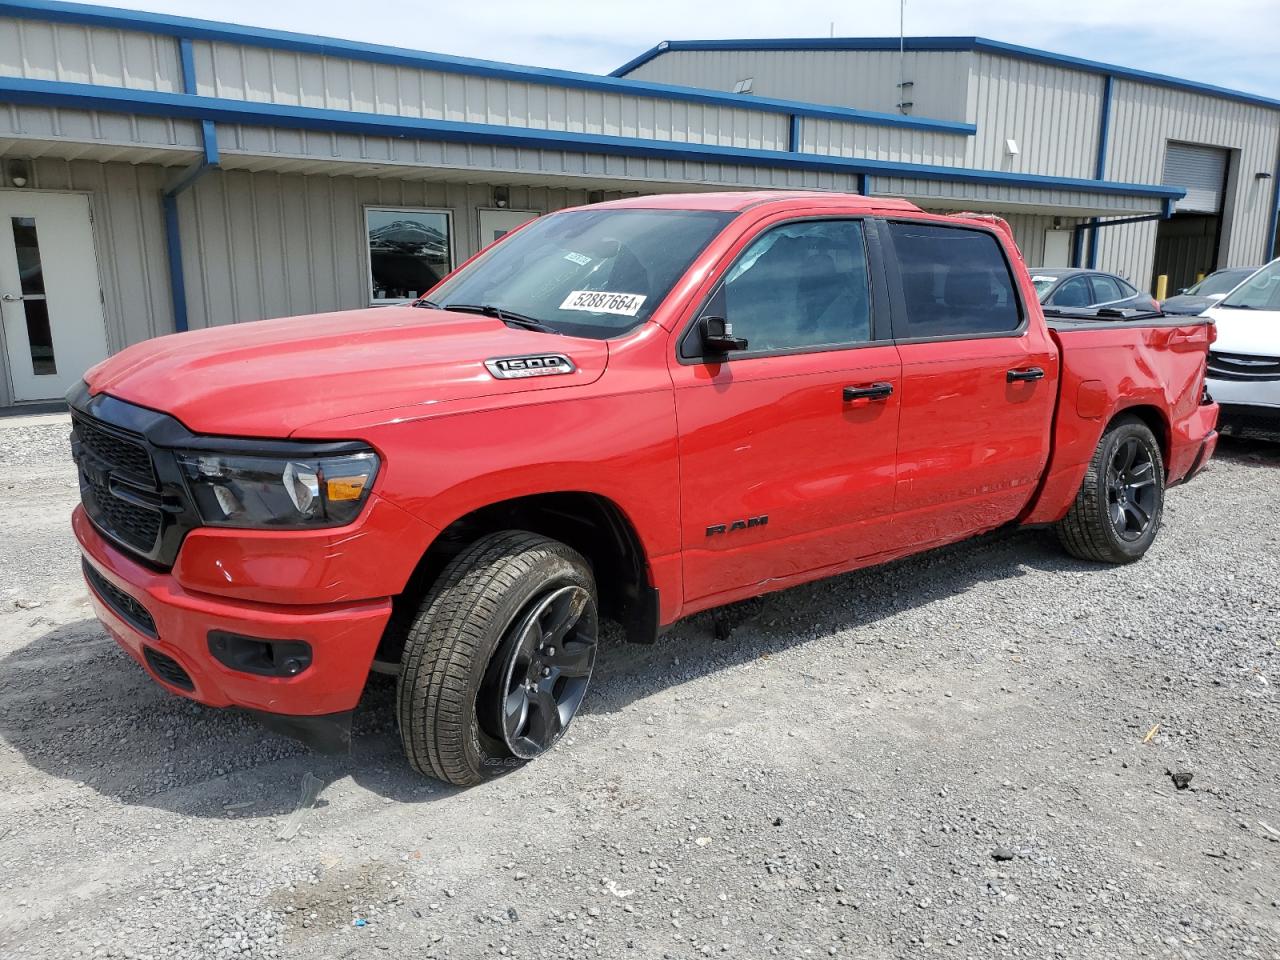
[1132,490]
[542,669]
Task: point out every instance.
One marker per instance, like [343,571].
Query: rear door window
[1106,289]
[956,282]
[1074,292]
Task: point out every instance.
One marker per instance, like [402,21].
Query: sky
[1231,43]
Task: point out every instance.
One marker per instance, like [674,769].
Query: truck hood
[1253,332]
[271,377]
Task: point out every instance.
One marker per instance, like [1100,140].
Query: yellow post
[1200,276]
[1162,286]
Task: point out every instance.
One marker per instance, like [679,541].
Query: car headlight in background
[235,490]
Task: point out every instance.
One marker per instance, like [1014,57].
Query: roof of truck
[745,199]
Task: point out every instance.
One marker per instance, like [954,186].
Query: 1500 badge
[539,365]
[718,528]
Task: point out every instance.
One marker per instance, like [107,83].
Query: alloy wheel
[540,673]
[1132,494]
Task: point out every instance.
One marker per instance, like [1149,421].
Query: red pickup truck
[635,410]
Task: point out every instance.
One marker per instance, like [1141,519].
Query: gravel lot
[832,780]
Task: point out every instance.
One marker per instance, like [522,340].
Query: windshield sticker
[580,259]
[602,301]
[1043,279]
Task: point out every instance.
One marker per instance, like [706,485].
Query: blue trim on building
[864,185]
[193,29]
[1100,161]
[84,96]
[793,133]
[955,45]
[1272,246]
[169,200]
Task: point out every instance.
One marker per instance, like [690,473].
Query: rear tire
[498,659]
[1116,514]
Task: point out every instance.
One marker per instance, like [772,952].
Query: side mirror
[1181,290]
[717,336]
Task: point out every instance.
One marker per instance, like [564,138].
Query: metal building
[160,173]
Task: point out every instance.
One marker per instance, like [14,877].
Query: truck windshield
[589,273]
[1259,292]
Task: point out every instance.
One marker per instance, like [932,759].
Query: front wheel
[1117,512]
[498,659]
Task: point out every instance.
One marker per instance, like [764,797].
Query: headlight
[232,490]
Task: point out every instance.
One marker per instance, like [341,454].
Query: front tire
[498,659]
[1117,511]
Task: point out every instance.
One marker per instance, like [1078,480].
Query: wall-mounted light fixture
[19,172]
[1011,147]
[595,196]
[501,196]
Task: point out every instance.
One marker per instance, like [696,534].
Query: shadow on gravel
[80,709]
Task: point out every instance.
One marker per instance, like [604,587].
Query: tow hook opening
[256,655]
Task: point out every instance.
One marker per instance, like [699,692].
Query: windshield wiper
[1238,306]
[426,304]
[506,316]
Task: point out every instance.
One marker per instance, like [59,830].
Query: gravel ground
[949,756]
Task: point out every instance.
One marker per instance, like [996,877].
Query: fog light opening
[258,655]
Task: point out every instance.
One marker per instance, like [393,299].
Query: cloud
[1231,43]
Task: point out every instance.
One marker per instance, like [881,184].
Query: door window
[956,282]
[1074,292]
[26,245]
[1106,290]
[800,285]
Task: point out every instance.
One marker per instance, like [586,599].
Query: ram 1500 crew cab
[637,410]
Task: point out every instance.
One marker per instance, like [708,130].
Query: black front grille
[118,483]
[168,669]
[1249,423]
[126,608]
[123,453]
[1242,367]
[136,526]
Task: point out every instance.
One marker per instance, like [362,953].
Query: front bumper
[343,638]
[1249,410]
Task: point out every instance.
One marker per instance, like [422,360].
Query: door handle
[870,391]
[10,298]
[1028,373]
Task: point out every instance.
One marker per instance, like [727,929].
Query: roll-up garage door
[1201,171]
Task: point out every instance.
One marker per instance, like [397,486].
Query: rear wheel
[1117,511]
[499,658]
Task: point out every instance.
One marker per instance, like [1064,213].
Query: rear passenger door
[978,383]
[787,447]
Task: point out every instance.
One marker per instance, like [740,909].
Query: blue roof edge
[86,96]
[954,44]
[196,29]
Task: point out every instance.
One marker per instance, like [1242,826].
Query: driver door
[788,447]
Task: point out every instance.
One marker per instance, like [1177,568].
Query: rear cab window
[956,283]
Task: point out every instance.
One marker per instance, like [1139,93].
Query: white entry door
[1057,249]
[49,295]
[495,223]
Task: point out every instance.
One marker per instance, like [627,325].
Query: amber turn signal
[345,488]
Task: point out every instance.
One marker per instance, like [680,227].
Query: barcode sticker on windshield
[1039,279]
[580,259]
[602,301]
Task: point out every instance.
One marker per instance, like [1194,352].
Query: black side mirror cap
[717,336]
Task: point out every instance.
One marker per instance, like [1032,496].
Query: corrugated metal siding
[1145,119]
[261,245]
[281,76]
[50,128]
[1065,202]
[376,153]
[834,138]
[82,54]
[1052,112]
[867,80]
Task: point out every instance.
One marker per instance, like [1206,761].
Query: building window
[409,251]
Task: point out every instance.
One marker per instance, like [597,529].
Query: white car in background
[1244,363]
